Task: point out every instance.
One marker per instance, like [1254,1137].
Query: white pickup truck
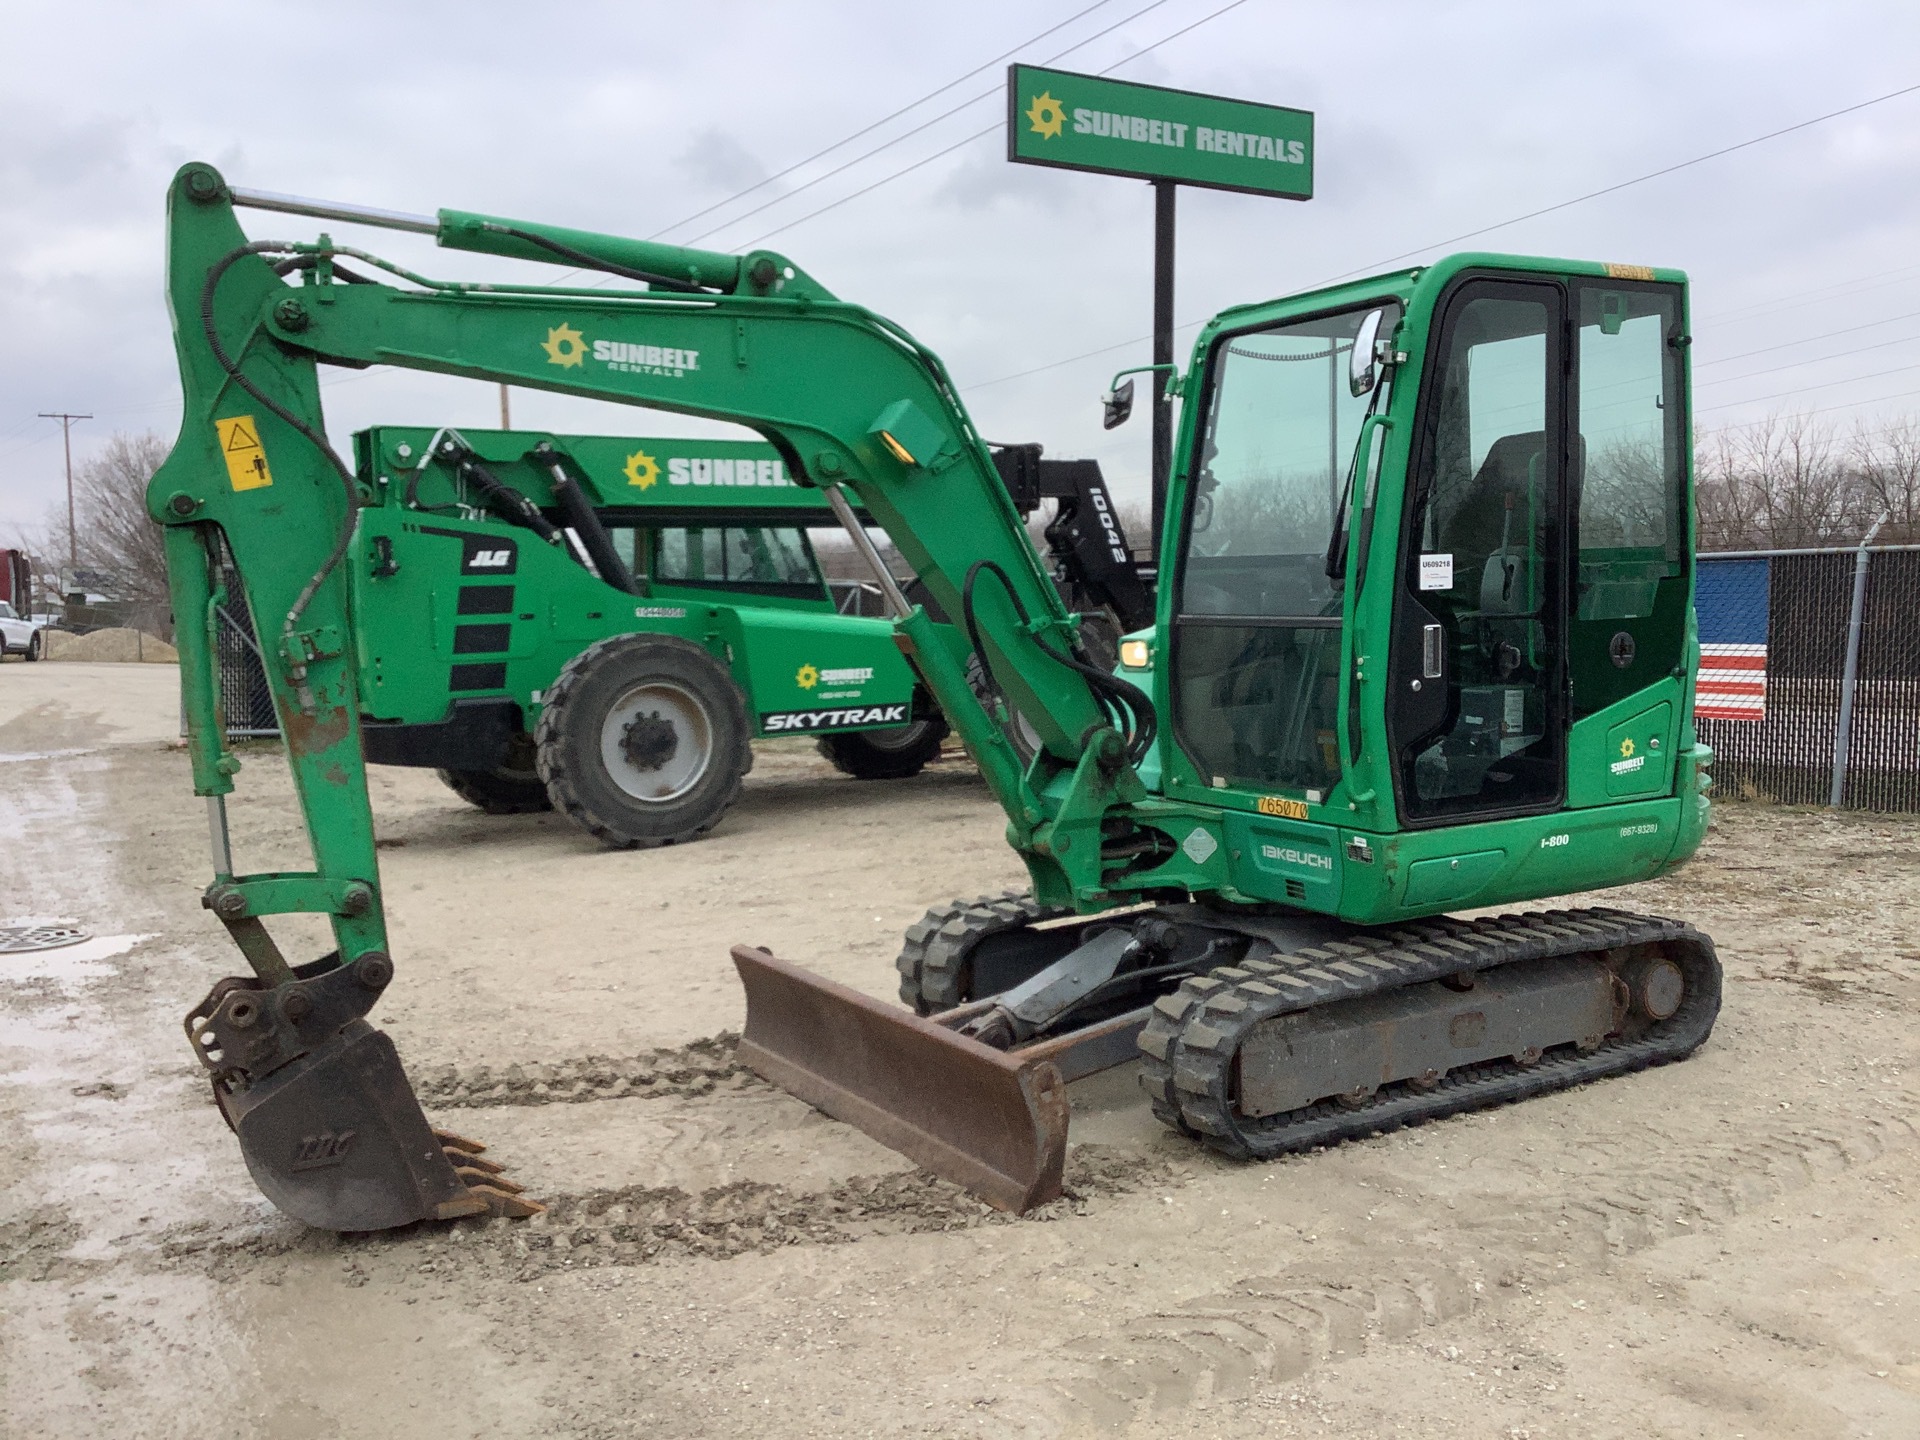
[18,636]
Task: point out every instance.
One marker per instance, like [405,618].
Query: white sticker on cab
[1436,572]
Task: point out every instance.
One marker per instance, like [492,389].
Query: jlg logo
[315,1152]
[489,559]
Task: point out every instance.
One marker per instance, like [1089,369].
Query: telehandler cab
[1423,641]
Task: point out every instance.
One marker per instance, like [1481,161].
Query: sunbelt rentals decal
[569,348]
[809,677]
[644,471]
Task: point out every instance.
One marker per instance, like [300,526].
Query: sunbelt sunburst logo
[569,348]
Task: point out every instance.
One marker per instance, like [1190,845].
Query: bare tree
[1886,465]
[117,540]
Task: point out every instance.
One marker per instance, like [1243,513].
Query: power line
[1823,385]
[1637,180]
[1806,340]
[883,120]
[1815,296]
[887,179]
[909,134]
[1817,360]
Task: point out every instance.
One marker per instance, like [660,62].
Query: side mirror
[1362,369]
[1117,405]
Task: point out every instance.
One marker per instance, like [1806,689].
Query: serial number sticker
[1280,805]
[1554,842]
[1646,827]
[1436,572]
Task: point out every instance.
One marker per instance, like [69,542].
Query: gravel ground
[1721,1248]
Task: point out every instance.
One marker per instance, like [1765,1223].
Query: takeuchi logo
[1048,115]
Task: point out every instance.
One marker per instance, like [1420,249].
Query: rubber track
[560,787]
[1194,1034]
[933,955]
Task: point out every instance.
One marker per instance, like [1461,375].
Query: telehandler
[542,563]
[1423,641]
[528,608]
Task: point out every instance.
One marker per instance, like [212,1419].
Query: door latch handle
[1433,652]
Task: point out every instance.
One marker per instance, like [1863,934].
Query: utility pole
[66,438]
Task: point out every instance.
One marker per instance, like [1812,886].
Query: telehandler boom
[1423,640]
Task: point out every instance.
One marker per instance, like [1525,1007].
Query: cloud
[1432,120]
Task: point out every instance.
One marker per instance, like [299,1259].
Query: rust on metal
[992,1121]
[310,734]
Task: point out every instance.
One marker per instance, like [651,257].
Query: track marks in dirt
[640,1225]
[1265,1330]
[693,1069]
[32,1247]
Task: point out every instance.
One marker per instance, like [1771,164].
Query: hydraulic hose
[274,407]
[575,510]
[1124,703]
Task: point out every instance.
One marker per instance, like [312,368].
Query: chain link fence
[1784,659]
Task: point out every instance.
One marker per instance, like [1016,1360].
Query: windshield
[1277,439]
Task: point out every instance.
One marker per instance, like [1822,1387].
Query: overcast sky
[1432,120]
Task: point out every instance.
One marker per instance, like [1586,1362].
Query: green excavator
[1424,643]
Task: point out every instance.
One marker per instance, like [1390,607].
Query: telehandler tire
[891,754]
[514,788]
[642,741]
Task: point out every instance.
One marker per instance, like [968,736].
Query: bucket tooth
[512,1206]
[466,1159]
[494,1179]
[449,1140]
[461,1207]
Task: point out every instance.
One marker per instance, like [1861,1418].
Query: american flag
[1731,599]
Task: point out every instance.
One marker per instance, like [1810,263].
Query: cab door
[1478,718]
[1628,629]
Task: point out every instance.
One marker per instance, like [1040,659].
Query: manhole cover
[16,938]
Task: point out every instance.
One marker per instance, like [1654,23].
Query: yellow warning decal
[246,460]
[1281,805]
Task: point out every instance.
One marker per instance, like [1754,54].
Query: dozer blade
[991,1121]
[329,1127]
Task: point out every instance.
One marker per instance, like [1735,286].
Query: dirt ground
[1723,1248]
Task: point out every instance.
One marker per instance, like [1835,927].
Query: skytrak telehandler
[541,564]
[529,608]
[1423,641]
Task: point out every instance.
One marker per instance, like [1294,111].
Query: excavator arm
[253,494]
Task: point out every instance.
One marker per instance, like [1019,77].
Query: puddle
[69,964]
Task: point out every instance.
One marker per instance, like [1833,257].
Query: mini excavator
[1423,643]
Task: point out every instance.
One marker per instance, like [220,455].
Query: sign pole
[1163,196]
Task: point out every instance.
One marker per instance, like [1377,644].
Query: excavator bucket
[329,1127]
[992,1121]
